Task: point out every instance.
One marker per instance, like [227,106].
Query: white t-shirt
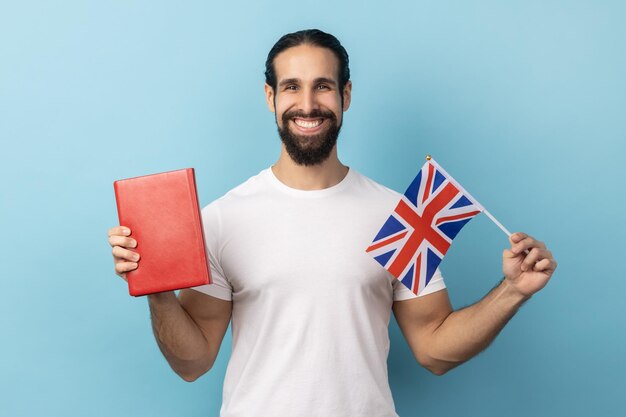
[311,308]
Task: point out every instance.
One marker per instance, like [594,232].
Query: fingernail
[126,231]
[135,257]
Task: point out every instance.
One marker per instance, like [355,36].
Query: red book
[163,214]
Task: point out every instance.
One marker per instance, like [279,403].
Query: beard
[309,150]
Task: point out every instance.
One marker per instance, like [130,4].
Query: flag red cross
[422,228]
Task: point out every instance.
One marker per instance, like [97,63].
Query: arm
[442,339]
[189,328]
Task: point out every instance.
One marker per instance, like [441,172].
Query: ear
[269,97]
[347,95]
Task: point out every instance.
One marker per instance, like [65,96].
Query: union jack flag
[416,236]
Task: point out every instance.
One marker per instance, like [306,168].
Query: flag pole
[493,219]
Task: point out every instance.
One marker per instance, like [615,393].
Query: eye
[291,87]
[323,87]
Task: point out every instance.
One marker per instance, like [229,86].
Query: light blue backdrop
[524,102]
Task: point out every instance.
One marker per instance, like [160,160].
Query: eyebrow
[315,81]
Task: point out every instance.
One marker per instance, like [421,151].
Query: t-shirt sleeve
[220,287]
[401,292]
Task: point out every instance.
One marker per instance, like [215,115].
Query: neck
[317,177]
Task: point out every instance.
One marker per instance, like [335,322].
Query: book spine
[194,192]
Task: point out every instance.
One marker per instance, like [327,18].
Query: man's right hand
[125,259]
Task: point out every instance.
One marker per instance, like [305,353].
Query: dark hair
[314,37]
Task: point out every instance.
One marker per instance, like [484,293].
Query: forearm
[180,339]
[468,331]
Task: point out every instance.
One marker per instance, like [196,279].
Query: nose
[308,101]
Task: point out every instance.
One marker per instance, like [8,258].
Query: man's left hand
[528,265]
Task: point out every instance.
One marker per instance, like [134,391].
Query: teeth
[308,124]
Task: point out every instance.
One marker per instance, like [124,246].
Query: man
[310,310]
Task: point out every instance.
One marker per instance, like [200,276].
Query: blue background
[523,102]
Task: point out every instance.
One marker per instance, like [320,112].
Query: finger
[516,237]
[545,264]
[123,267]
[509,254]
[119,230]
[125,242]
[521,245]
[125,254]
[532,258]
[527,244]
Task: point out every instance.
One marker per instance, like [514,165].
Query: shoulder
[370,188]
[253,187]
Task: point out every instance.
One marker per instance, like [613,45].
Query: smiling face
[307,102]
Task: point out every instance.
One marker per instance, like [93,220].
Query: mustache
[315,113]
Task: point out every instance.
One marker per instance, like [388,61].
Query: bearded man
[310,309]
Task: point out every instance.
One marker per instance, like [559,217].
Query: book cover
[163,214]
